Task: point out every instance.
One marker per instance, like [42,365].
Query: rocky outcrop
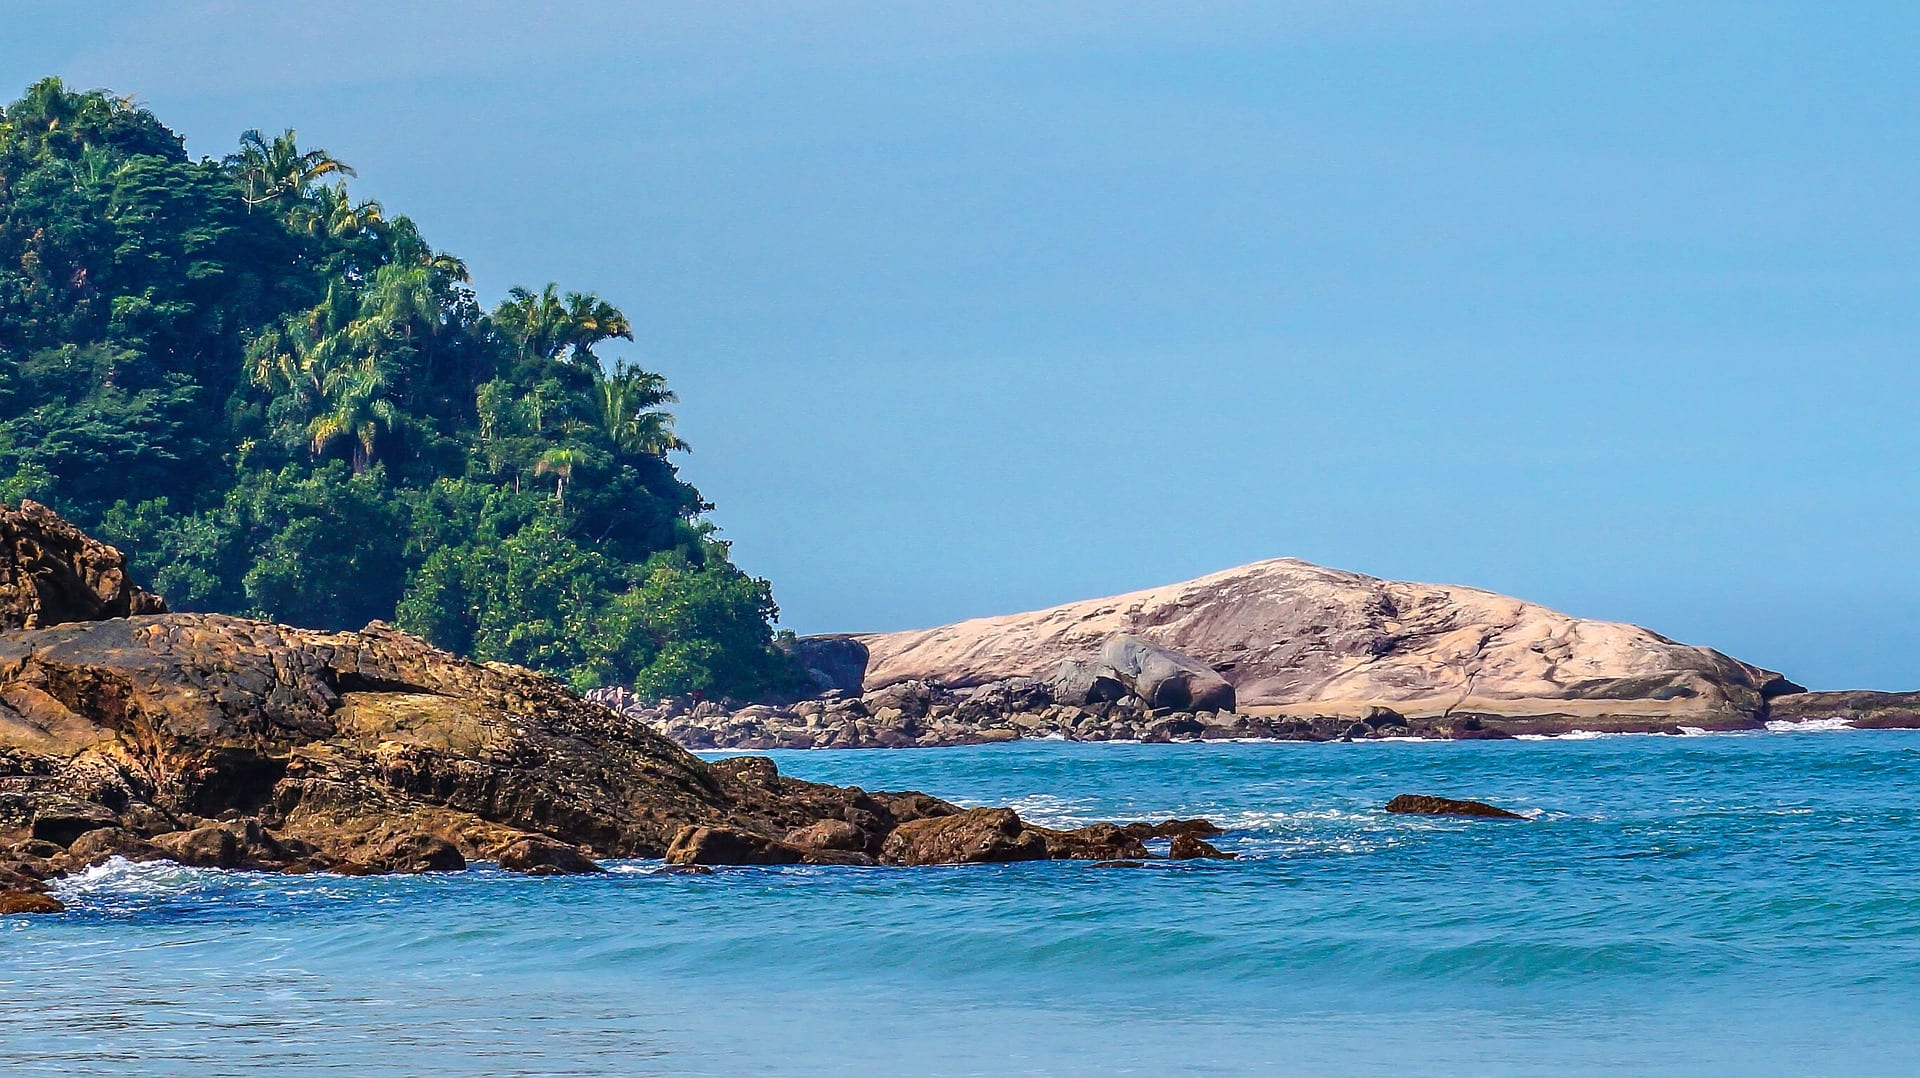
[229,743]
[1294,639]
[830,662]
[52,573]
[1428,805]
[1163,678]
[1860,709]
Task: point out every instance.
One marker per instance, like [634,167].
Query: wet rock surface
[1427,805]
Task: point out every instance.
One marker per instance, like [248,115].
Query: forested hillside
[281,401]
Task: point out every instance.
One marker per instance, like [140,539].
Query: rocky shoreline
[1276,650]
[207,740]
[919,714]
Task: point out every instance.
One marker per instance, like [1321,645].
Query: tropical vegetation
[281,401]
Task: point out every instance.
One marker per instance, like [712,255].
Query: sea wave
[1809,726]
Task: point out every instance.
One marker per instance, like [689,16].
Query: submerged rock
[537,855]
[1187,847]
[29,902]
[1425,805]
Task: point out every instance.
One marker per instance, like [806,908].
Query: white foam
[1809,726]
[120,877]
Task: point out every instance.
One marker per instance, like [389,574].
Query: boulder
[52,573]
[1186,847]
[912,699]
[971,836]
[1426,805]
[1077,683]
[100,844]
[1163,677]
[29,902]
[829,835]
[537,855]
[831,662]
[729,846]
[1095,842]
[1863,709]
[1197,827]
[917,806]
[1381,718]
[415,852]
[202,847]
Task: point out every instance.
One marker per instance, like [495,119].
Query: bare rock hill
[1292,637]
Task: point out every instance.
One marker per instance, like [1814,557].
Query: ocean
[1726,904]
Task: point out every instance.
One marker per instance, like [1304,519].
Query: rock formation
[1428,805]
[1300,640]
[1858,708]
[1277,649]
[220,741]
[52,573]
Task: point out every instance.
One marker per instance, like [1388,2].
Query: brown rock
[972,836]
[1866,710]
[51,573]
[1095,842]
[537,855]
[727,846]
[236,743]
[829,835]
[202,847]
[29,902]
[1197,827]
[1186,847]
[1425,805]
[917,806]
[416,852]
[98,845]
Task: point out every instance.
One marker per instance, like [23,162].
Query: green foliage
[689,627]
[281,401]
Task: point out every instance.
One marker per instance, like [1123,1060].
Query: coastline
[918,715]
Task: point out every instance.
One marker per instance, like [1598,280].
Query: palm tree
[629,402]
[278,170]
[559,463]
[294,362]
[590,320]
[547,325]
[357,408]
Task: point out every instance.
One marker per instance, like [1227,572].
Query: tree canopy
[280,401]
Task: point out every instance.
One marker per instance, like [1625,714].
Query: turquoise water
[1727,904]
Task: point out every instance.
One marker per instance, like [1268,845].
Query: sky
[980,308]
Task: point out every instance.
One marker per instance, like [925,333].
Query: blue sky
[988,307]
